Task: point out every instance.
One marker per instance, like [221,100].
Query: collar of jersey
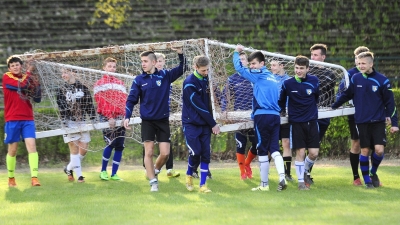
[200,77]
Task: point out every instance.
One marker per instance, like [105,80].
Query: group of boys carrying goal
[151,89]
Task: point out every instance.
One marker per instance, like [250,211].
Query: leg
[33,157]
[11,161]
[205,157]
[299,164]
[169,165]
[251,154]
[241,142]
[287,157]
[148,159]
[354,151]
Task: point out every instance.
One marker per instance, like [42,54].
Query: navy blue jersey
[196,98]
[372,98]
[240,91]
[302,95]
[152,91]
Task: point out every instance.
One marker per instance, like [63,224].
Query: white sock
[264,170]
[76,162]
[279,165]
[308,164]
[69,166]
[81,157]
[299,171]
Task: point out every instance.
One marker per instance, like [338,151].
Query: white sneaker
[154,187]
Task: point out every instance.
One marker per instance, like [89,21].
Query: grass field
[332,200]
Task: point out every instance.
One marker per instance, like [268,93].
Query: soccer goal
[87,66]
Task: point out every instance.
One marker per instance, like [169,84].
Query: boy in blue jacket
[265,113]
[302,93]
[374,105]
[152,89]
[198,121]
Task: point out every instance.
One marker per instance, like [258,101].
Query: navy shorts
[267,133]
[353,130]
[14,130]
[156,130]
[304,135]
[241,140]
[372,134]
[198,140]
[285,131]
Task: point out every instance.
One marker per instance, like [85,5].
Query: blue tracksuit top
[240,90]
[265,89]
[196,99]
[372,98]
[281,79]
[152,91]
[302,96]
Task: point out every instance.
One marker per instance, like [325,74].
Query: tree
[114,13]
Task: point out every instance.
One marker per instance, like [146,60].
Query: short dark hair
[302,61]
[150,54]
[257,55]
[13,59]
[323,48]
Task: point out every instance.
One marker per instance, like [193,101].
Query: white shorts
[82,136]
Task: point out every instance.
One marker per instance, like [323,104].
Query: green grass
[332,200]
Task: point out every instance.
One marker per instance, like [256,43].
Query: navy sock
[106,157]
[116,160]
[203,172]
[364,166]
[376,161]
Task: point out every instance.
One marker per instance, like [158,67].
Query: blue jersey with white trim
[372,98]
[152,91]
[302,96]
[196,98]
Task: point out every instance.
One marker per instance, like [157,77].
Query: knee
[205,160]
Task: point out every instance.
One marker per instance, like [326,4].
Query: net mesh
[231,105]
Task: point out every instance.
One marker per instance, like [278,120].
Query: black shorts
[284,131]
[372,134]
[156,130]
[353,130]
[304,135]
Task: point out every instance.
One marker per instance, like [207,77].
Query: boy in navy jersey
[151,89]
[374,105]
[302,94]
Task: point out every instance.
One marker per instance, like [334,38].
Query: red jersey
[17,105]
[110,95]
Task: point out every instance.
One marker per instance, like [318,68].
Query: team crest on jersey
[158,83]
[374,88]
[309,91]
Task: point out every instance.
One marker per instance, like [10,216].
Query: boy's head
[301,66]
[110,65]
[318,52]
[357,51]
[243,59]
[149,60]
[256,60]
[365,62]
[68,75]
[201,64]
[14,65]
[277,66]
[160,61]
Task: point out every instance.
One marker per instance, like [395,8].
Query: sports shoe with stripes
[189,183]
[70,174]
[282,185]
[303,187]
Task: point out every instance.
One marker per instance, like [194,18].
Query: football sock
[249,158]
[116,161]
[203,173]
[76,165]
[299,171]
[308,165]
[376,161]
[288,163]
[240,159]
[364,166]
[264,170]
[190,167]
[354,161]
[106,157]
[279,165]
[81,157]
[70,164]
[11,163]
[33,159]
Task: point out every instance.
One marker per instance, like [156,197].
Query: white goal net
[86,67]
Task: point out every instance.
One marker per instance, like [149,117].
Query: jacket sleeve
[283,98]
[176,72]
[133,98]
[388,100]
[345,96]
[194,99]
[243,71]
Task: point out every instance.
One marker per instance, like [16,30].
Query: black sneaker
[375,180]
[289,178]
[69,173]
[369,186]
[307,180]
[282,185]
[209,176]
[81,179]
